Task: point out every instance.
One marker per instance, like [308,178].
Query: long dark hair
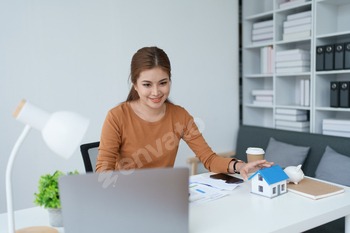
[144,59]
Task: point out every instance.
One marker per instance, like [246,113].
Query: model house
[269,182]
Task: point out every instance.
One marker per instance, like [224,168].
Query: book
[291,3]
[297,35]
[262,36]
[336,133]
[262,92]
[299,15]
[292,63]
[290,111]
[291,51]
[307,92]
[266,60]
[262,24]
[302,92]
[336,127]
[336,121]
[297,129]
[293,57]
[272,62]
[262,30]
[264,98]
[295,124]
[291,117]
[263,60]
[314,189]
[293,69]
[298,28]
[295,22]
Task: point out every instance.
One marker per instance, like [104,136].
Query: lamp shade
[62,131]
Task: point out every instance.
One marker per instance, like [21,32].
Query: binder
[339,56]
[334,94]
[320,58]
[347,55]
[344,95]
[329,57]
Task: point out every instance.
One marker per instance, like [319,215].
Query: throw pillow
[334,167]
[285,154]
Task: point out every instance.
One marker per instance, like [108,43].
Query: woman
[144,131]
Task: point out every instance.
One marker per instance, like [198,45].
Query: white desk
[240,211]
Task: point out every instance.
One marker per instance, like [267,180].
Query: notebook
[146,200]
[314,189]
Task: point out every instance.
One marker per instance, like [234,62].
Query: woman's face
[153,87]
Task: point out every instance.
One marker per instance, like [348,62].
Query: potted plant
[48,196]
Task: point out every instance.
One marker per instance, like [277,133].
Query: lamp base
[37,230]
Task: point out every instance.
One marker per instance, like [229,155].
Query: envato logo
[170,141]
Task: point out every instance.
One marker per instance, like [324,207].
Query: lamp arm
[10,213]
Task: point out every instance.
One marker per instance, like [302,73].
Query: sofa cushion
[334,167]
[285,154]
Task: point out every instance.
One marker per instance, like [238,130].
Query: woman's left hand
[252,167]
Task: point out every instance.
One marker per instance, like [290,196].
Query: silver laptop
[146,200]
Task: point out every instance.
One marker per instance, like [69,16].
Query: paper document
[200,193]
[204,189]
[215,183]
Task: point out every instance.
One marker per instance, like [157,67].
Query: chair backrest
[89,152]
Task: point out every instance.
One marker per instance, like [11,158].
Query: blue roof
[272,174]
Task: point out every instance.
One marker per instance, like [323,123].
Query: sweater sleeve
[109,144]
[199,146]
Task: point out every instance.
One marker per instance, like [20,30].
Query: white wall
[75,55]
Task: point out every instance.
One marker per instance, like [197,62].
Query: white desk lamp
[62,132]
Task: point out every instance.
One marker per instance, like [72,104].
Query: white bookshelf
[329,25]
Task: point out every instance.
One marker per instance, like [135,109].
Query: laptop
[144,200]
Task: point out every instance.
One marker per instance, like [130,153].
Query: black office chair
[89,152]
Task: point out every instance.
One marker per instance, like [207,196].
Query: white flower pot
[55,217]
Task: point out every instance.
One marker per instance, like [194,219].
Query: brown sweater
[129,142]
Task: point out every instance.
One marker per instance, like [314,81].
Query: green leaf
[48,195]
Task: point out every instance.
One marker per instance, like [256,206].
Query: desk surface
[240,211]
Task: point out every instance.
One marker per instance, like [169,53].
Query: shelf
[334,2]
[281,42]
[258,106]
[257,45]
[332,109]
[329,26]
[337,35]
[294,9]
[293,107]
[293,74]
[258,76]
[332,72]
[260,17]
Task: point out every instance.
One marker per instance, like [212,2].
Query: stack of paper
[336,127]
[297,26]
[292,119]
[205,189]
[293,61]
[263,97]
[263,32]
[266,60]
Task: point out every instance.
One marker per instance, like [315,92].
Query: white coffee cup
[254,154]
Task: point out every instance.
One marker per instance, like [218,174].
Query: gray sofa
[251,136]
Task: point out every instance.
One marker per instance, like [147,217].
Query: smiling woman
[145,130]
